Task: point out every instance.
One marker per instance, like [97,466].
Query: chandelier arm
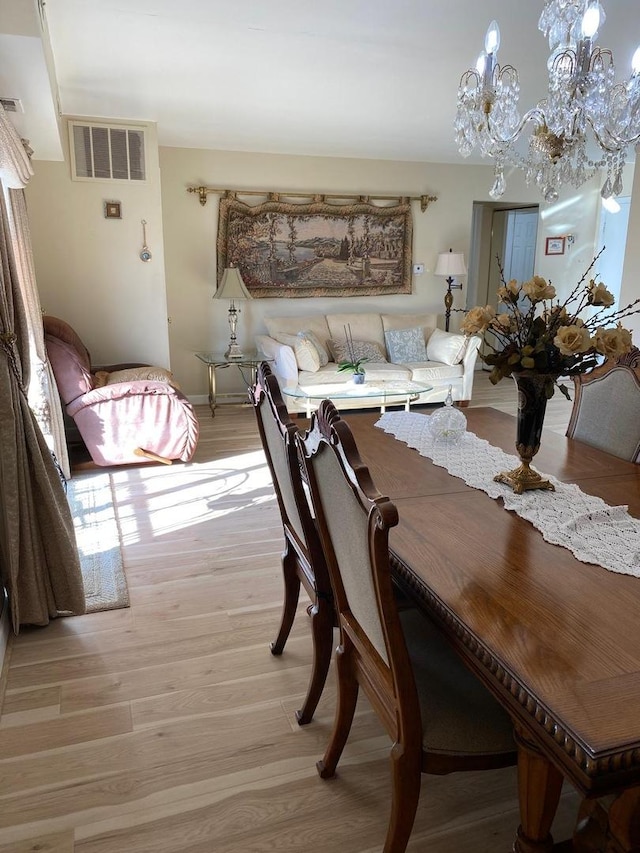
[535,114]
[617,142]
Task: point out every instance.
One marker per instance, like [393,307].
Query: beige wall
[198,322]
[631,272]
[88,268]
[89,271]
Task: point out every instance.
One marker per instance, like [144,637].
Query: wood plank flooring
[168,727]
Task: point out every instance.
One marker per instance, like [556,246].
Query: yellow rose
[557,314]
[538,289]
[504,323]
[478,320]
[613,343]
[599,295]
[571,340]
[510,291]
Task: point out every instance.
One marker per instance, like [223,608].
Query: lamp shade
[450,264]
[232,286]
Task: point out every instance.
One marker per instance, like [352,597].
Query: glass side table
[217,361]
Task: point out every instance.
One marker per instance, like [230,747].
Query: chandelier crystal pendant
[585,124]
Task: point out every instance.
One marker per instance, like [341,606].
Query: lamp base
[234,352]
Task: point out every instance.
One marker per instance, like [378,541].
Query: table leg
[539,788]
[609,824]
[212,389]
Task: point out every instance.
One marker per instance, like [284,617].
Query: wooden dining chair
[440,717]
[303,558]
[606,407]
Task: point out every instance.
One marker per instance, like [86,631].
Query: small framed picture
[554,246]
[112,210]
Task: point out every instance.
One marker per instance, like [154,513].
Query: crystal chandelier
[586,123]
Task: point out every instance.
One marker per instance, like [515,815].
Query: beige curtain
[39,563]
[15,172]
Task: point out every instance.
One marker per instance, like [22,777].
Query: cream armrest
[468,366]
[284,363]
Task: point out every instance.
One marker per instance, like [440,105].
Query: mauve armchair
[124,413]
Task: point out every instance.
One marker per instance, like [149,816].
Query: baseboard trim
[201,399]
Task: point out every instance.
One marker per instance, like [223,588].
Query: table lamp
[450,264]
[232,287]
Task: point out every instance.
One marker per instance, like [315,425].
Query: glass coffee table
[383,393]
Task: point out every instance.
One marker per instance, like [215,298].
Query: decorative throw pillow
[406,346]
[133,374]
[341,351]
[310,336]
[446,347]
[307,356]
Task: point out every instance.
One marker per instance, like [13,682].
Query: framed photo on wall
[554,246]
[112,210]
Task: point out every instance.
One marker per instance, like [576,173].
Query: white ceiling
[352,78]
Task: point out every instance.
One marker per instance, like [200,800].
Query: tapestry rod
[272,196]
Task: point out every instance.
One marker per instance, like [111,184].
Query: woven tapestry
[316,249]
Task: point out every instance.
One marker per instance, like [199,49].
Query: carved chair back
[606,407]
[303,558]
[439,716]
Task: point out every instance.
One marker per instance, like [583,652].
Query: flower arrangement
[538,334]
[353,364]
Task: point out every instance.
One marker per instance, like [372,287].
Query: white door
[514,241]
[520,244]
[613,235]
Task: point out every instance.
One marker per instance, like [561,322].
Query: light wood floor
[168,727]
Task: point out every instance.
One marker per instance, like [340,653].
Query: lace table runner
[591,529]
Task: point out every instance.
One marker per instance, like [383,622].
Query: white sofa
[450,358]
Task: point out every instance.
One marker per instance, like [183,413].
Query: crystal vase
[534,389]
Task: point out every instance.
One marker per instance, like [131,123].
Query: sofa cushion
[375,372]
[313,339]
[434,371]
[292,325]
[355,350]
[364,327]
[446,347]
[133,374]
[307,356]
[409,321]
[406,345]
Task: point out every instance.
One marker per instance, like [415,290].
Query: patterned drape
[15,171]
[39,564]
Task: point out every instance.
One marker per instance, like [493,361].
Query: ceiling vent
[12,105]
[101,152]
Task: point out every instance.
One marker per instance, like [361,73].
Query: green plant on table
[352,364]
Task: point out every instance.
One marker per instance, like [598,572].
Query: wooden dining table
[556,640]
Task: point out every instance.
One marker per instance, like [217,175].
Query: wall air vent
[12,105]
[101,152]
